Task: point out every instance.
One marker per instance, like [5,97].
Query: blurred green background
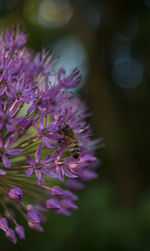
[110,42]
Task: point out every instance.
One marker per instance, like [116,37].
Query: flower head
[36,153]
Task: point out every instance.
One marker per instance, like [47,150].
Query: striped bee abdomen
[71,140]
[74,149]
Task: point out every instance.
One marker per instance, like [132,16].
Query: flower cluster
[37,168]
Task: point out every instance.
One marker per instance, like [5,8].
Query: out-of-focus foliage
[110,42]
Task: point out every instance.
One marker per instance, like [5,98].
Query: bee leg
[60,141]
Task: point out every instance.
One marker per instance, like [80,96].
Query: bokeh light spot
[128,74]
[54,13]
[147,2]
[120,51]
[93,17]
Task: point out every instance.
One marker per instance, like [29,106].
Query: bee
[71,140]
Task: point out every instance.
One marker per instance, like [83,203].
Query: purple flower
[39,166]
[7,119]
[34,153]
[4,149]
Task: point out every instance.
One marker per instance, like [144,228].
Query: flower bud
[53,204]
[33,216]
[10,233]
[3,224]
[15,194]
[20,231]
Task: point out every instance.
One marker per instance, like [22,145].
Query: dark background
[110,42]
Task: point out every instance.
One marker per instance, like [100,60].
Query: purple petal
[31,108]
[46,160]
[1,142]
[38,175]
[10,128]
[26,123]
[10,140]
[70,81]
[2,172]
[6,161]
[29,171]
[14,151]
[69,174]
[38,153]
[41,120]
[61,74]
[16,120]
[35,125]
[30,160]
[46,143]
[49,173]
